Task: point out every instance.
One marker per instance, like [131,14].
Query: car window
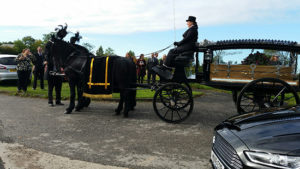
[8,61]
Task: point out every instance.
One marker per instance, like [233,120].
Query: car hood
[275,136]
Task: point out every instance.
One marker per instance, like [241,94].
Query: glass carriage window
[252,56]
[297,55]
[191,70]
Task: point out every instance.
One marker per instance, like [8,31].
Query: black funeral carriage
[262,75]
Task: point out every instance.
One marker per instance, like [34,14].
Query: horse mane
[80,48]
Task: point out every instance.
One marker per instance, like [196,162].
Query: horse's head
[55,51]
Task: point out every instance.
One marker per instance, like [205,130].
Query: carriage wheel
[187,85]
[266,94]
[234,96]
[173,102]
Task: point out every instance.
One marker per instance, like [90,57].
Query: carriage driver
[188,43]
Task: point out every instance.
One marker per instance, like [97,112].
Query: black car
[258,140]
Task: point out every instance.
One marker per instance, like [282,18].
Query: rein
[159,51]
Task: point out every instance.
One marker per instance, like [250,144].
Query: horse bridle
[52,43]
[64,64]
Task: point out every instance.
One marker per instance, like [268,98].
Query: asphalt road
[142,141]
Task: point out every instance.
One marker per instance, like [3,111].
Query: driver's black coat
[189,40]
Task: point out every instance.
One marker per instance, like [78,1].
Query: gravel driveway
[95,136]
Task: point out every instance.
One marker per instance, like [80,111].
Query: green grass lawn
[11,89]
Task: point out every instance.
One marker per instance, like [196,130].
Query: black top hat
[191,18]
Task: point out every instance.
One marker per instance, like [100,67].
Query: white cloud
[127,16]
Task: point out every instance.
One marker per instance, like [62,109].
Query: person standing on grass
[141,68]
[53,81]
[24,69]
[38,70]
[163,59]
[150,73]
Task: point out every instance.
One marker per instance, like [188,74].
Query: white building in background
[7,45]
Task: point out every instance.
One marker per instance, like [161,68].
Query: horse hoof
[117,112]
[125,115]
[67,112]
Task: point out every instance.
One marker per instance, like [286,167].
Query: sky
[145,26]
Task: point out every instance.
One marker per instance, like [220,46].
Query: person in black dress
[141,68]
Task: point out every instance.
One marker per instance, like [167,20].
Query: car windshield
[8,61]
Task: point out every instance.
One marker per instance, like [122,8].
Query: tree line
[17,46]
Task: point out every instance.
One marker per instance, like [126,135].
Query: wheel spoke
[247,97]
[279,93]
[178,114]
[162,108]
[166,113]
[253,107]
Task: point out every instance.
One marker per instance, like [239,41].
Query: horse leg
[128,102]
[80,103]
[87,101]
[72,97]
[121,101]
[132,99]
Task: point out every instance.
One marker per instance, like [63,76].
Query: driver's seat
[184,59]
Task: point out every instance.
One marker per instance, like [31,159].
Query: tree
[131,53]
[89,46]
[28,41]
[206,42]
[19,46]
[283,55]
[109,51]
[47,37]
[100,51]
[8,50]
[218,56]
[36,44]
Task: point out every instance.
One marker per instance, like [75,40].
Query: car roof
[7,55]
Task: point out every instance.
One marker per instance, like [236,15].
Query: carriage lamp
[208,55]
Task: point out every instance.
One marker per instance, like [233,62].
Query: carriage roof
[252,44]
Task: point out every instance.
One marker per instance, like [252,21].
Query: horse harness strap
[105,84]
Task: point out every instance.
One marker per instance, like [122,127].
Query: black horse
[74,60]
